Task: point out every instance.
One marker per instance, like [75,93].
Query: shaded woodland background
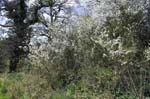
[62,49]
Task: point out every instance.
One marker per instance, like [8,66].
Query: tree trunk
[13,65]
[14,60]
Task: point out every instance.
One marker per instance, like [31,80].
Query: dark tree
[21,33]
[21,39]
[23,17]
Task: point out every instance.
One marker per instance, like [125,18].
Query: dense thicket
[95,56]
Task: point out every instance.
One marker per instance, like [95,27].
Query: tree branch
[6,25]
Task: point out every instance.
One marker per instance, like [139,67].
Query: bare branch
[6,25]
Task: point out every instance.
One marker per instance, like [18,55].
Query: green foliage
[3,91]
[95,82]
[123,37]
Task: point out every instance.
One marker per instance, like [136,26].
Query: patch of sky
[81,10]
[3,20]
